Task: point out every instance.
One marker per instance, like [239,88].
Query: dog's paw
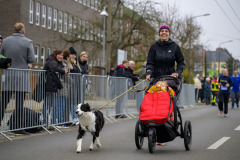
[99,145]
[78,151]
[90,149]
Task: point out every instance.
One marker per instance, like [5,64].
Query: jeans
[223,98]
[57,103]
[73,110]
[234,95]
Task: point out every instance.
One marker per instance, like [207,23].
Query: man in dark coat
[111,72]
[20,50]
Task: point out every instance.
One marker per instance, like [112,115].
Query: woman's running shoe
[160,144]
[220,113]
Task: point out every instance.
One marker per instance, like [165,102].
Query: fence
[25,102]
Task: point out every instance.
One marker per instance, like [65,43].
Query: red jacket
[156,108]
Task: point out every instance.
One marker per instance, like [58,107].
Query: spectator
[198,86]
[203,80]
[225,82]
[207,91]
[82,59]
[215,90]
[235,88]
[74,96]
[56,101]
[111,72]
[0,41]
[133,76]
[142,71]
[20,50]
[122,71]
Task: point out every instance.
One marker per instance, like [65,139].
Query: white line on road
[238,128]
[218,143]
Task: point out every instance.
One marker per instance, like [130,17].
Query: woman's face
[84,57]
[164,35]
[60,57]
[73,57]
[126,65]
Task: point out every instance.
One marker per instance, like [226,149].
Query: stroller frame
[150,129]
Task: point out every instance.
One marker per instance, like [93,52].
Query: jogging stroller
[164,130]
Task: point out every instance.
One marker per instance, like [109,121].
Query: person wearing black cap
[74,97]
[110,73]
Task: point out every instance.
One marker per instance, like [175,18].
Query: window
[60,21]
[49,52]
[92,4]
[80,1]
[43,16]
[49,18]
[31,12]
[83,29]
[91,31]
[42,54]
[55,20]
[36,53]
[87,30]
[79,28]
[84,2]
[96,5]
[38,14]
[65,22]
[75,26]
[70,25]
[89,3]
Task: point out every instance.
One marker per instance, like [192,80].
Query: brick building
[55,24]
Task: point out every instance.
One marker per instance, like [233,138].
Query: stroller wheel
[139,137]
[187,135]
[152,140]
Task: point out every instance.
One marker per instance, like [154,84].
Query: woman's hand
[148,77]
[175,75]
[66,71]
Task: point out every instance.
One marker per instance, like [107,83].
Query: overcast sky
[217,23]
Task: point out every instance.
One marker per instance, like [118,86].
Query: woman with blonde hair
[82,59]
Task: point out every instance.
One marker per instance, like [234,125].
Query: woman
[122,71]
[207,91]
[83,62]
[57,101]
[203,80]
[162,56]
[198,86]
[74,97]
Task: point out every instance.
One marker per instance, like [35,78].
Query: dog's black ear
[87,104]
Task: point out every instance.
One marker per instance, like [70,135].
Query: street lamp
[104,14]
[190,46]
[219,55]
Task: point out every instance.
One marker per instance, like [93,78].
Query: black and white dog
[89,121]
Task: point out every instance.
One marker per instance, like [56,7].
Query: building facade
[55,24]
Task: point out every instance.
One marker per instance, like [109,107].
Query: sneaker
[199,101]
[59,126]
[220,113]
[65,126]
[160,144]
[225,115]
[232,107]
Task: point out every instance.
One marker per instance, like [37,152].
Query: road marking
[238,128]
[218,143]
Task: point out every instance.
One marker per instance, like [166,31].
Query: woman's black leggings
[223,98]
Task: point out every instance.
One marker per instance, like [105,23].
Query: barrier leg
[4,135]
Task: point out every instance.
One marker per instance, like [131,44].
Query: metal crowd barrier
[25,104]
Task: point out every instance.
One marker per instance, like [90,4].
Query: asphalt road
[118,143]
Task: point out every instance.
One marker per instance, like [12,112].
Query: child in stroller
[161,87]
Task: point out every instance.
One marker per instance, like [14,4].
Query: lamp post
[219,54]
[190,46]
[104,14]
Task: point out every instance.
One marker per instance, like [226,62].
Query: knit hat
[72,50]
[164,27]
[0,36]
